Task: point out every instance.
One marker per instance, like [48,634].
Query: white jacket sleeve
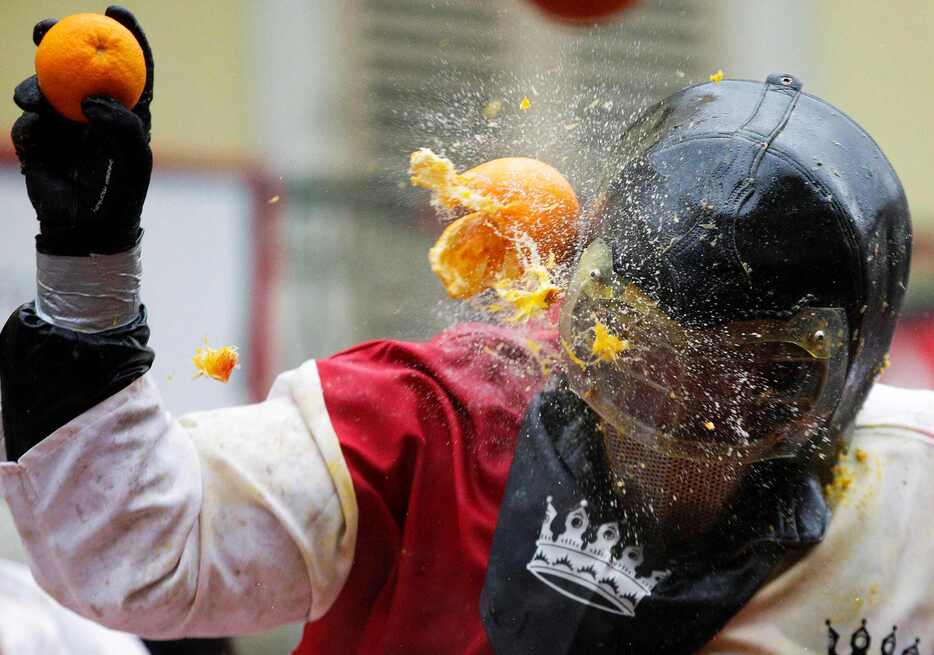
[217,523]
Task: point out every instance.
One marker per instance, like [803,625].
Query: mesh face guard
[743,392]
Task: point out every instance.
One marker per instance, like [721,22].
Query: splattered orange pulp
[217,363]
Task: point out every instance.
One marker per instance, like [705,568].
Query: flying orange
[582,10]
[515,203]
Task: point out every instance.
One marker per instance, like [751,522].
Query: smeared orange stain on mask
[606,346]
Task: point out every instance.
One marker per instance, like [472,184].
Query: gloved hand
[87,182]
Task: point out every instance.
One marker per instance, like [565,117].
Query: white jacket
[218,523]
[876,563]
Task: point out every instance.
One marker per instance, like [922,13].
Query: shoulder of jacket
[887,406]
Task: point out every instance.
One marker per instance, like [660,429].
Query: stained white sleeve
[218,523]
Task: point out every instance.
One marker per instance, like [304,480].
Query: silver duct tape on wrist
[89,294]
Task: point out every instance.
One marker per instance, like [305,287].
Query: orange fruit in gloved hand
[517,204]
[89,55]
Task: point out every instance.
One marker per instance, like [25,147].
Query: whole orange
[86,55]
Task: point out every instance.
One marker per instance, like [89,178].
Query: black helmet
[736,205]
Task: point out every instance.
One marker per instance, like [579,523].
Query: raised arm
[217,523]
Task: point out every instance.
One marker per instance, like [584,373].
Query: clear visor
[749,390]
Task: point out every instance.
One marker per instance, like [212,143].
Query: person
[709,468]
[31,623]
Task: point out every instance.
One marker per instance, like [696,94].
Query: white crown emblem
[588,573]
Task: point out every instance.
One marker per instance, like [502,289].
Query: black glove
[87,182]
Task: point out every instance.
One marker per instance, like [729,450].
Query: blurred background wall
[282,129]
[202,85]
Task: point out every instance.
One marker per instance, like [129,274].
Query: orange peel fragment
[469,256]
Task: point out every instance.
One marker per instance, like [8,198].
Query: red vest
[428,432]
